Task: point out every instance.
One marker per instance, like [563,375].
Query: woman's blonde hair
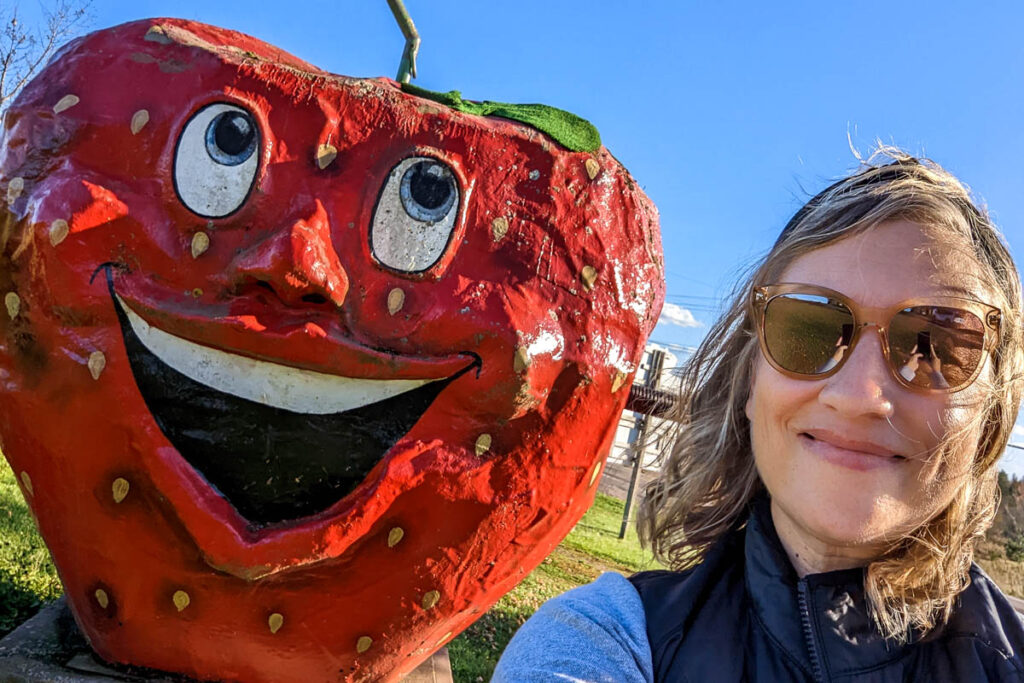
[709,477]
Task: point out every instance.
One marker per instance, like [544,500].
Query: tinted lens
[807,333]
[936,347]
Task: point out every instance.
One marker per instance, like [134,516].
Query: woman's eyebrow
[958,291]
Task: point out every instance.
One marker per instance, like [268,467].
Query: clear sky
[729,115]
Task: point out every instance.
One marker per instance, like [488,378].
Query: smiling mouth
[850,455]
[860,448]
[278,443]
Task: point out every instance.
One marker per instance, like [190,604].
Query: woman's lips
[852,454]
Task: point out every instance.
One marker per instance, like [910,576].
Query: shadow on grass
[475,653]
[28,579]
[17,603]
[602,531]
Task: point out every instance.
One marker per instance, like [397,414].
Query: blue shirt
[595,633]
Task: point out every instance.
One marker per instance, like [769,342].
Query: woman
[834,464]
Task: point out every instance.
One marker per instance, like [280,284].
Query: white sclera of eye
[401,241]
[206,186]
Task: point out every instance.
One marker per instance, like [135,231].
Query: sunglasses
[930,344]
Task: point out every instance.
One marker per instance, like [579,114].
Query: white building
[629,425]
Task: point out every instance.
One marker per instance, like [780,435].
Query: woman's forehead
[889,263]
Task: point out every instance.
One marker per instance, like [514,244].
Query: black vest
[744,615]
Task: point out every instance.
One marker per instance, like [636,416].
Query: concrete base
[48,648]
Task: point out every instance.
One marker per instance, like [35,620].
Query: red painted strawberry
[302,372]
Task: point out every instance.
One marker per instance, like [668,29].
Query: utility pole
[640,445]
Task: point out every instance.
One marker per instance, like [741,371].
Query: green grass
[593,547]
[28,579]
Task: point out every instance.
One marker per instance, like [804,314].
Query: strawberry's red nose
[297,261]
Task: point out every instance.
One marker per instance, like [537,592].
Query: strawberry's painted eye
[415,215]
[216,160]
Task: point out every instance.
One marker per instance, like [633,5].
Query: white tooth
[300,391]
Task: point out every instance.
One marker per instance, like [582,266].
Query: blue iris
[428,191]
[231,138]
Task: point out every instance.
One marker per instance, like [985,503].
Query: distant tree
[1015,549]
[1004,483]
[24,48]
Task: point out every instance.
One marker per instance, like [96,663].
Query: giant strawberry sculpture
[302,372]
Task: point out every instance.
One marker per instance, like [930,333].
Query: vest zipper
[805,620]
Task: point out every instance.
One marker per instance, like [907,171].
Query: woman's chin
[858,521]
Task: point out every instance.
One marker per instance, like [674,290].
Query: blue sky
[728,114]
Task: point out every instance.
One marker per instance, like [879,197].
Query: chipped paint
[615,355]
[636,296]
[156,34]
[546,343]
[521,360]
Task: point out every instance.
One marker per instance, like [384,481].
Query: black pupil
[429,185]
[233,133]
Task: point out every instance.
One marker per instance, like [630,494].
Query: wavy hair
[709,477]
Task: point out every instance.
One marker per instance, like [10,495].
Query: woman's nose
[298,261]
[864,384]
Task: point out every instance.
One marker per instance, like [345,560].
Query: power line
[694,296]
[674,347]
